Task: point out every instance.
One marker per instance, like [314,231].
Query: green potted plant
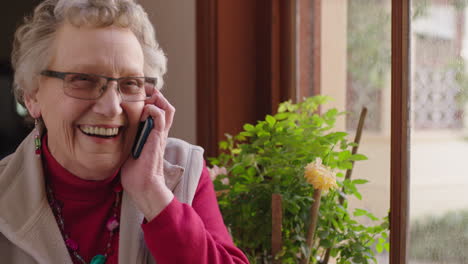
[270,158]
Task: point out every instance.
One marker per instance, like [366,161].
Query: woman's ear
[33,105]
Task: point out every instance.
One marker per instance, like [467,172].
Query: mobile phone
[143,131]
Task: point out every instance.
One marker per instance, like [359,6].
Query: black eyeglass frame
[63,75]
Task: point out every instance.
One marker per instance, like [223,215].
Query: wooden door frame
[275,66]
[207,76]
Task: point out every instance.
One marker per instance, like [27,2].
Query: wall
[174,22]
[12,128]
[333,55]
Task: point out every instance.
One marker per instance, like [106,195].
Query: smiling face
[74,126]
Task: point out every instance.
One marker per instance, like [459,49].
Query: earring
[37,138]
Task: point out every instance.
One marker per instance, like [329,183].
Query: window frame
[400,134]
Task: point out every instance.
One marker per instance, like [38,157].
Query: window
[340,52]
[351,62]
[438,201]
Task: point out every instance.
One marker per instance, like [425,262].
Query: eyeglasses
[92,86]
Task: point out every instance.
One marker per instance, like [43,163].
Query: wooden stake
[357,140]
[312,224]
[276,225]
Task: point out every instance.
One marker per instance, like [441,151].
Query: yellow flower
[320,176]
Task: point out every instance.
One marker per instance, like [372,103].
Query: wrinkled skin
[113,52]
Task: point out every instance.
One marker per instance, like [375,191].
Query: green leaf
[240,137]
[323,234]
[237,169]
[336,136]
[360,181]
[223,145]
[270,120]
[326,243]
[357,157]
[236,151]
[281,116]
[346,165]
[358,259]
[246,134]
[239,188]
[263,133]
[379,248]
[382,240]
[282,108]
[251,171]
[357,247]
[249,128]
[358,195]
[362,212]
[344,155]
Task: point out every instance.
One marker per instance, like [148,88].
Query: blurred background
[232,62]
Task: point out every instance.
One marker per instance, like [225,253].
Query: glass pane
[368,73]
[439,89]
[355,53]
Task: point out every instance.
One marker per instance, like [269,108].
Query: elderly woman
[89,71]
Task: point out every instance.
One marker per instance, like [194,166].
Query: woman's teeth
[100,131]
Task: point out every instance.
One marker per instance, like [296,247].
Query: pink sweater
[179,234]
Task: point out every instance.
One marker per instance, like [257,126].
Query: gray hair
[31,47]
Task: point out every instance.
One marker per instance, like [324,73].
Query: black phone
[144,130]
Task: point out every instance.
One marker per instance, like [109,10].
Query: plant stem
[312,224]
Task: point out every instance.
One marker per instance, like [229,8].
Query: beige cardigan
[28,230]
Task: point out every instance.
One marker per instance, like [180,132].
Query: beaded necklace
[111,225]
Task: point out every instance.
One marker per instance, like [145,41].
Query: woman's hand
[143,178]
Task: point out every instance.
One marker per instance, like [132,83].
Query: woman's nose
[109,104]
